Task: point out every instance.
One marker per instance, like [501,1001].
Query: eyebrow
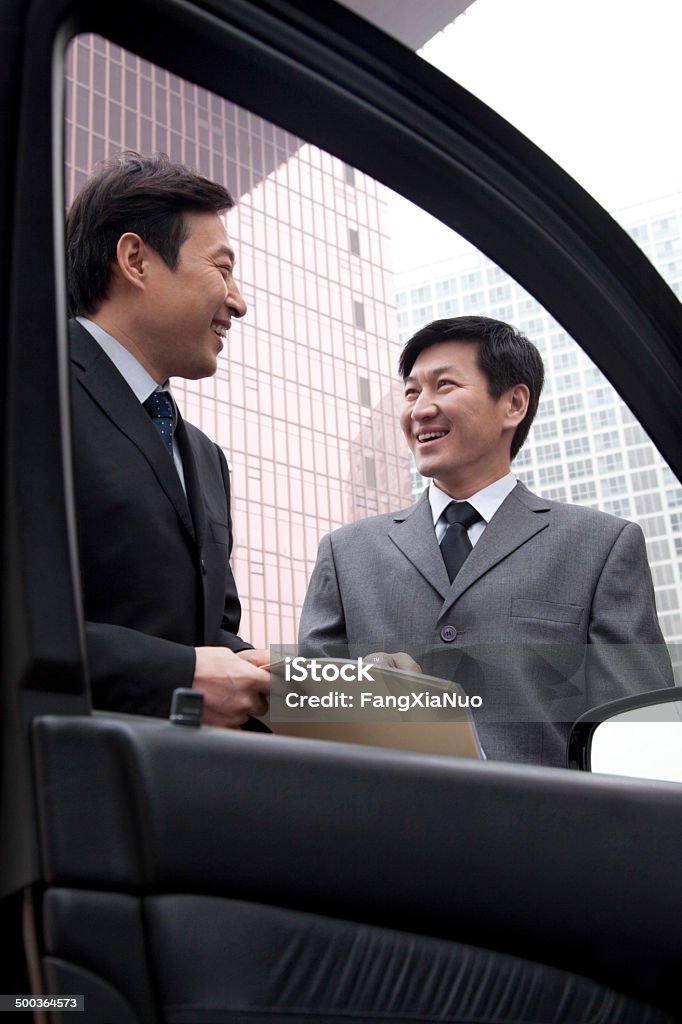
[435,372]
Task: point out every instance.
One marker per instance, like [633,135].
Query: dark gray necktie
[455,545]
[159,405]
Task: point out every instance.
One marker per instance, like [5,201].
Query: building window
[639,457]
[359,315]
[548,452]
[654,526]
[666,600]
[613,485]
[600,396]
[354,241]
[543,431]
[570,403]
[577,446]
[568,382]
[474,280]
[349,174]
[546,408]
[445,288]
[551,475]
[646,504]
[605,441]
[647,480]
[575,425]
[618,507]
[494,274]
[370,472]
[584,492]
[421,294]
[565,361]
[604,418]
[583,467]
[611,463]
[422,315]
[593,375]
[364,392]
[665,226]
[555,493]
[474,301]
[659,550]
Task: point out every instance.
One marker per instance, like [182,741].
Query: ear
[517,399]
[131,259]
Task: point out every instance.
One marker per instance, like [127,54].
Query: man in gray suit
[540,608]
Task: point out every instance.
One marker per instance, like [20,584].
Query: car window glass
[337,273]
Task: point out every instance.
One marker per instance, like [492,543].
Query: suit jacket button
[448,633]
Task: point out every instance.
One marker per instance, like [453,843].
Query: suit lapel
[194,493]
[413,534]
[100,378]
[520,517]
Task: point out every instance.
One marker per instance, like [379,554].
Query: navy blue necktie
[455,545]
[160,407]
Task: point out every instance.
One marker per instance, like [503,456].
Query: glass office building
[304,402]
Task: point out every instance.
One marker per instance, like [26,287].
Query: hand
[257,657]
[397,660]
[233,687]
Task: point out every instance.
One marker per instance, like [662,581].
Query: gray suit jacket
[552,613]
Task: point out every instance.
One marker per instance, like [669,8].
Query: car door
[164,869]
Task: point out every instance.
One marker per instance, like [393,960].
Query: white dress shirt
[141,383]
[486,502]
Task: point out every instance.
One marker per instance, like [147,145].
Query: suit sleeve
[626,652]
[134,672]
[322,627]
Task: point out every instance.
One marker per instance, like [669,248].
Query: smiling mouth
[220,328]
[431,435]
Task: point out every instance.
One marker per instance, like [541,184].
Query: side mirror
[638,736]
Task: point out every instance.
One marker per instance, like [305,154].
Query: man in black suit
[153,294]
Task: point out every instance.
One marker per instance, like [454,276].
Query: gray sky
[597,84]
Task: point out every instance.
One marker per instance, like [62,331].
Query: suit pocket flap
[524,609]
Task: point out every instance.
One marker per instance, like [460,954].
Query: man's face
[188,311]
[457,433]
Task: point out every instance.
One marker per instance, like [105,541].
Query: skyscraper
[304,400]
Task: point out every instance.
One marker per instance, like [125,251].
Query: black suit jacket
[155,563]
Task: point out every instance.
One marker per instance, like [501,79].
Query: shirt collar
[486,501]
[136,377]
